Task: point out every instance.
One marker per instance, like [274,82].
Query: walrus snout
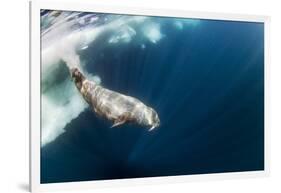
[154,120]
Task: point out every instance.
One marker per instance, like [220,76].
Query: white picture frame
[36,6]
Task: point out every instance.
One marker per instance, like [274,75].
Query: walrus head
[77,77]
[152,119]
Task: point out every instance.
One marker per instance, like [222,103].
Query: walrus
[114,106]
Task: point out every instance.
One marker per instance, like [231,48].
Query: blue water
[206,83]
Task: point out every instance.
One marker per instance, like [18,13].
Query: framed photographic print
[124,95]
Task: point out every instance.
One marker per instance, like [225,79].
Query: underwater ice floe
[145,28]
[61,43]
[82,21]
[61,105]
[93,19]
[151,31]
[61,102]
[84,47]
[125,35]
[181,23]
[178,25]
[48,18]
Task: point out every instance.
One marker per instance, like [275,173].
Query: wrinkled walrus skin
[114,106]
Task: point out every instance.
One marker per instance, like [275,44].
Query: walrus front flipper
[151,128]
[121,119]
[118,122]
